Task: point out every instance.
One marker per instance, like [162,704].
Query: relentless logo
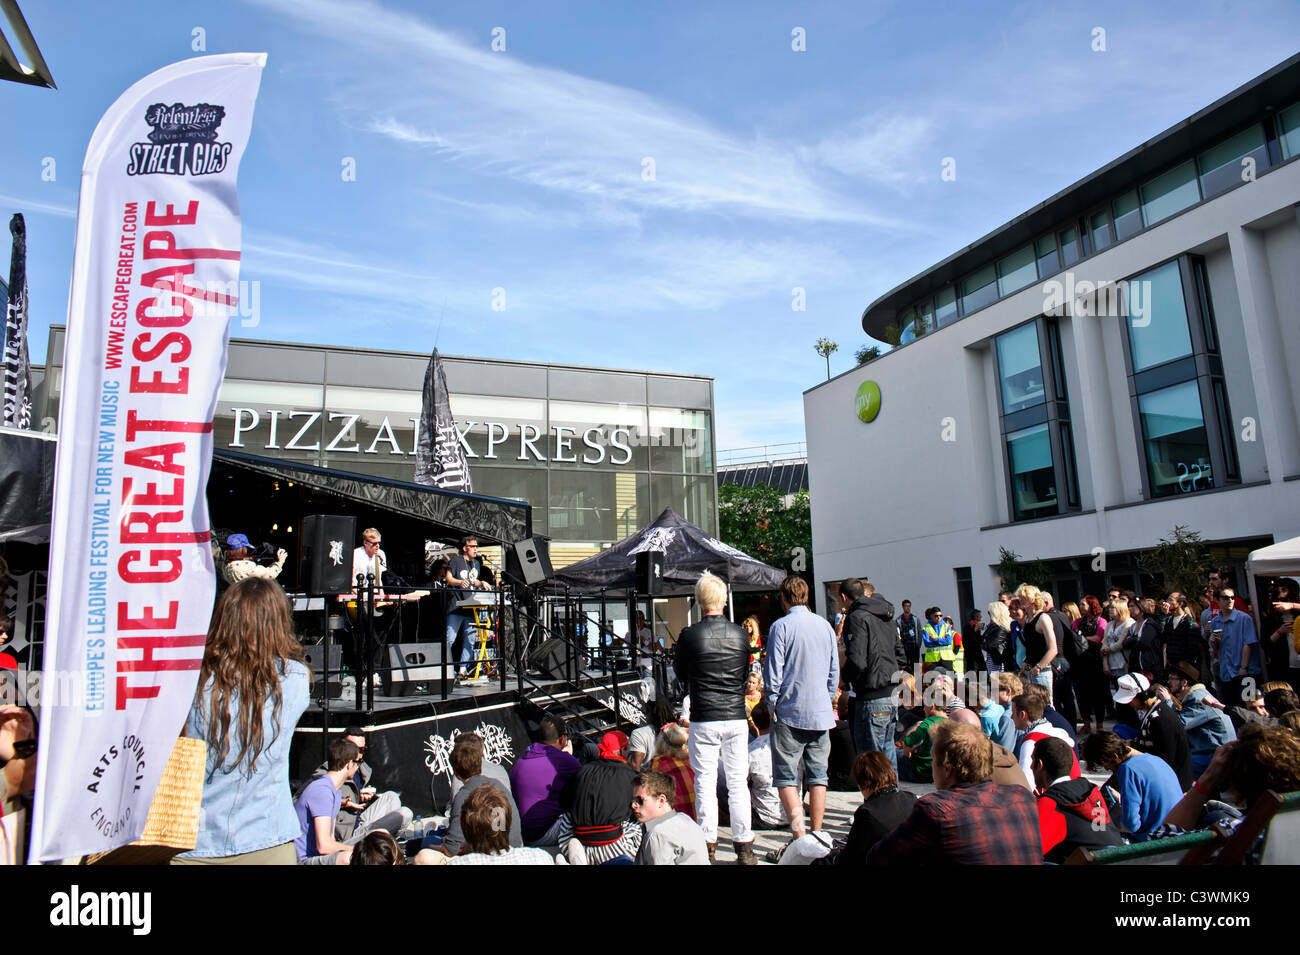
[183,142]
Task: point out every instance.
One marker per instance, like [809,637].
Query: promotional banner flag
[18,369]
[131,584]
[439,460]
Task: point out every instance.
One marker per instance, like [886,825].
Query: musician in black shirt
[465,574]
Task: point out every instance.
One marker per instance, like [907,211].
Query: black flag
[18,370]
[439,457]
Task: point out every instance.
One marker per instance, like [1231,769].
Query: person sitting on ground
[763,794]
[1009,686]
[486,821]
[378,848]
[1252,711]
[641,744]
[541,780]
[884,807]
[969,820]
[17,755]
[1051,714]
[1027,711]
[1205,720]
[673,760]
[1146,787]
[1160,732]
[467,766]
[1262,758]
[598,828]
[318,809]
[1280,700]
[362,809]
[995,721]
[240,565]
[671,837]
[917,745]
[753,696]
[1071,812]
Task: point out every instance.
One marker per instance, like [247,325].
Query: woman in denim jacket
[1208,726]
[254,681]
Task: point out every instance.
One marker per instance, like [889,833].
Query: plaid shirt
[975,824]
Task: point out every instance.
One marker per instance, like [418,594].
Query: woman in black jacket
[884,806]
[997,639]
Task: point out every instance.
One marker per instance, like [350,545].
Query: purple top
[540,780]
[320,798]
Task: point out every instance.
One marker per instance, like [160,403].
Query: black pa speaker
[325,551]
[650,572]
[549,658]
[412,663]
[529,561]
[314,656]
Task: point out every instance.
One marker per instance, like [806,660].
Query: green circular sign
[867,401]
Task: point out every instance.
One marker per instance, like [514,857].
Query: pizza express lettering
[340,433]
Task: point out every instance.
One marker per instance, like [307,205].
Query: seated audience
[318,809]
[763,796]
[970,820]
[1205,720]
[671,837]
[753,694]
[1160,731]
[641,744]
[17,756]
[362,808]
[1146,787]
[467,767]
[541,781]
[1262,758]
[995,721]
[884,807]
[1051,715]
[1027,709]
[1071,812]
[673,760]
[598,827]
[1280,700]
[378,848]
[486,822]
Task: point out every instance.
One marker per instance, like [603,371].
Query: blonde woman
[1041,646]
[996,638]
[1112,644]
[753,693]
[751,628]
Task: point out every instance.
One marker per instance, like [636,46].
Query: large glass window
[500,430]
[1016,270]
[1099,230]
[590,435]
[979,289]
[1171,192]
[691,497]
[1176,443]
[1128,215]
[1223,166]
[516,484]
[1156,317]
[1020,368]
[1071,250]
[945,307]
[679,440]
[1045,253]
[1033,480]
[1288,130]
[597,507]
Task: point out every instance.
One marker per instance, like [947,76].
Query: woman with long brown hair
[252,688]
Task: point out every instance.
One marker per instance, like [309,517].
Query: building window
[945,307]
[1288,131]
[1170,192]
[1223,166]
[1099,230]
[979,289]
[1176,381]
[1035,417]
[1048,261]
[1071,249]
[1128,215]
[1016,271]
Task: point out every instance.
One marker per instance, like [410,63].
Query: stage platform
[409,738]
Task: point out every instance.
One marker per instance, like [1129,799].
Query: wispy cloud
[24,204]
[568,133]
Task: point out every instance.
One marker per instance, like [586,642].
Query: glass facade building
[597,452]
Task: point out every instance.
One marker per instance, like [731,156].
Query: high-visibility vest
[937,646]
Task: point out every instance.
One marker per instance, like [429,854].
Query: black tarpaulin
[688,552]
[493,518]
[26,485]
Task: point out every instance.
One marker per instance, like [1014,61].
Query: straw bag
[173,823]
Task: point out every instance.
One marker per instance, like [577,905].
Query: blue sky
[524,169]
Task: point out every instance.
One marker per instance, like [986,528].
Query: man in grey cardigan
[671,838]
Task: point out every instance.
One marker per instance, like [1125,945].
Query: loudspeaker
[315,659]
[549,658]
[529,561]
[325,553]
[650,572]
[412,663]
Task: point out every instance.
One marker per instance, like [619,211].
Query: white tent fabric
[1277,560]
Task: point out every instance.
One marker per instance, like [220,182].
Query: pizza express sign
[497,440]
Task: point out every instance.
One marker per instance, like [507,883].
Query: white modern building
[1115,361]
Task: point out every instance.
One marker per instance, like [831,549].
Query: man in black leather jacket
[873,656]
[712,663]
